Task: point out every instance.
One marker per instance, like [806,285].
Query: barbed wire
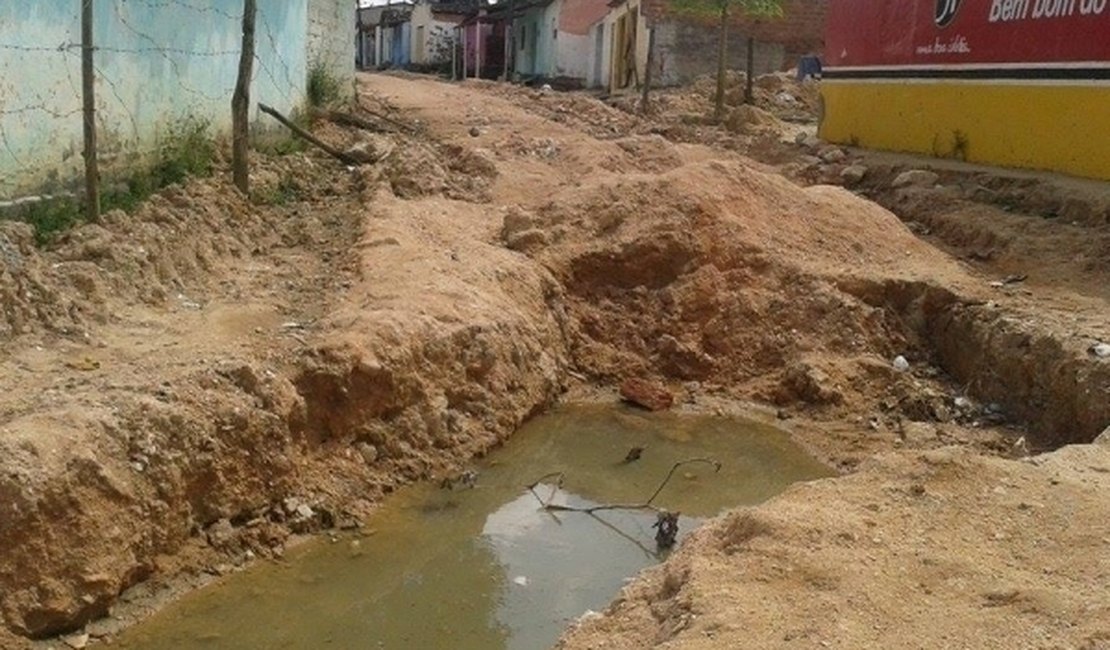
[58,97]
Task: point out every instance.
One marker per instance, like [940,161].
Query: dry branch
[308,137]
[346,119]
[386,118]
[646,505]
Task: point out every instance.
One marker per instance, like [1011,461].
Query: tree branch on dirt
[401,125]
[308,137]
[347,119]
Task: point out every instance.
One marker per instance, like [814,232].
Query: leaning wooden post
[88,92]
[464,53]
[749,83]
[455,57]
[240,103]
[645,106]
[478,50]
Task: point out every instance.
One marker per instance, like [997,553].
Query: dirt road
[188,385]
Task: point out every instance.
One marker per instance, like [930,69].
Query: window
[523,36]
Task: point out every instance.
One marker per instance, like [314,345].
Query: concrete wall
[331,39]
[687,50]
[157,63]
[434,45]
[575,43]
[536,55]
[686,47]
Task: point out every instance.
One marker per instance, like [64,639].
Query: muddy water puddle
[484,568]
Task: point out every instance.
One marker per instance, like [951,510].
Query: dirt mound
[720,273]
[574,109]
[666,269]
[943,544]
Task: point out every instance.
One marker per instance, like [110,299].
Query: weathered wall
[156,63]
[685,50]
[800,30]
[432,35]
[536,54]
[686,46]
[331,39]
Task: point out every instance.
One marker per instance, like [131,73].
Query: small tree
[720,10]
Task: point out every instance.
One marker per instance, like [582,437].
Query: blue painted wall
[536,54]
[156,62]
[401,45]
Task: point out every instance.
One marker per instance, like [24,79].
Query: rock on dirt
[646,394]
[832,154]
[853,174]
[810,384]
[916,178]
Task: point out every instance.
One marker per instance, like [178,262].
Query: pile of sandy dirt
[914,549]
[577,110]
[719,272]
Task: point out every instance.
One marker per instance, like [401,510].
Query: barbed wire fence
[63,93]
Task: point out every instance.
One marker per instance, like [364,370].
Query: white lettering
[1091,7]
[1007,10]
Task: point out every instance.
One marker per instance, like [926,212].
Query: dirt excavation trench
[191,388]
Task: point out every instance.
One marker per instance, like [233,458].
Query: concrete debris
[368,452]
[832,154]
[901,364]
[916,178]
[1101,350]
[853,174]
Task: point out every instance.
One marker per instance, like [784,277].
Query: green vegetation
[51,216]
[185,149]
[323,87]
[286,191]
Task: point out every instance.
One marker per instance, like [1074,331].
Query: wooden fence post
[240,103]
[88,95]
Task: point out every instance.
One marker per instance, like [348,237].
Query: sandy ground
[188,385]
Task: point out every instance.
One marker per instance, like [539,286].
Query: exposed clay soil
[189,385]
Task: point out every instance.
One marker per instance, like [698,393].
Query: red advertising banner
[959,33]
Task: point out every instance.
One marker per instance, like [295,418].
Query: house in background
[410,33]
[685,47]
[384,35]
[551,39]
[482,35]
[434,29]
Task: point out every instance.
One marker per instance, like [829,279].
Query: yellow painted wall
[1053,127]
